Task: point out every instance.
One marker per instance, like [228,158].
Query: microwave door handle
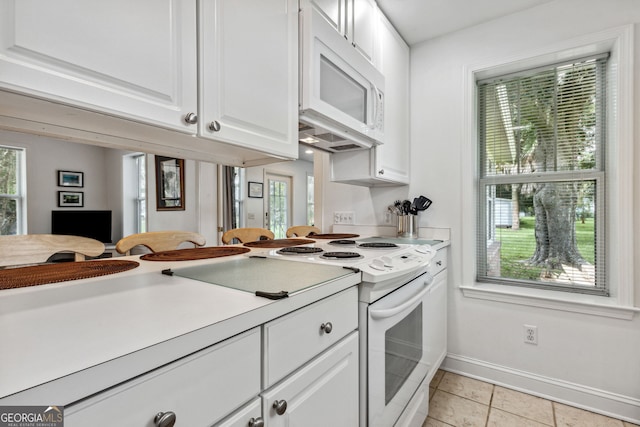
[372,125]
[390,312]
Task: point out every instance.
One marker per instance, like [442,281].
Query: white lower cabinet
[250,415]
[436,323]
[311,355]
[198,390]
[292,340]
[322,393]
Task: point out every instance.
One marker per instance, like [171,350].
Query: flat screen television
[93,224]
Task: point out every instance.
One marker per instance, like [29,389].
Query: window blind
[542,177]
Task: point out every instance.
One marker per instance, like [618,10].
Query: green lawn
[517,246]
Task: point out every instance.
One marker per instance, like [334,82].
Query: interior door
[278,204]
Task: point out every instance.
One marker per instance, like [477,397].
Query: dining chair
[247,234]
[38,248]
[302,230]
[158,241]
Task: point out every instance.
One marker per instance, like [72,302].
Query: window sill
[554,300]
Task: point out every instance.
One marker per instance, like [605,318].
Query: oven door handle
[390,312]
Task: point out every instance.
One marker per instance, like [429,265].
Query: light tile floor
[459,401]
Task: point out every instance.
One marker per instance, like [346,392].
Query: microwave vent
[345,147]
[329,137]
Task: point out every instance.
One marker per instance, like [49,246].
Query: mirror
[287,195]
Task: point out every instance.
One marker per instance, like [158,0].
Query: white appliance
[341,92]
[401,338]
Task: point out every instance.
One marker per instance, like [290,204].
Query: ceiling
[419,20]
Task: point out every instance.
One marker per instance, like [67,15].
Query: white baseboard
[588,398]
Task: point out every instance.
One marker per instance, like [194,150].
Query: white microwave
[341,92]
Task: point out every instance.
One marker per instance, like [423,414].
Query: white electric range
[396,301]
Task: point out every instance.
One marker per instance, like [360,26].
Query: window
[541,216]
[310,200]
[12,186]
[141,197]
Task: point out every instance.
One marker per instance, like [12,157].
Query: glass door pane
[279,205]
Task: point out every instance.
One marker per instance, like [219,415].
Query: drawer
[296,338]
[200,389]
[439,262]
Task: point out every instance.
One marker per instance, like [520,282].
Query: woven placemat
[195,253]
[332,236]
[33,275]
[278,243]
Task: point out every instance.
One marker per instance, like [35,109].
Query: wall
[254,207]
[587,360]
[45,156]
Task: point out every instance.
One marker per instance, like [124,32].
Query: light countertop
[65,341]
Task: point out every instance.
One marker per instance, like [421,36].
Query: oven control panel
[411,261]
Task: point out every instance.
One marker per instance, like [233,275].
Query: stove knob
[377,264]
[388,262]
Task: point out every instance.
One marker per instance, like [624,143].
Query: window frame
[620,303]
[596,174]
[21,186]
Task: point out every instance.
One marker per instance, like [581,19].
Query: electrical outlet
[344,217]
[530,334]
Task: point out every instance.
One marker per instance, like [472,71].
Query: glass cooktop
[263,275]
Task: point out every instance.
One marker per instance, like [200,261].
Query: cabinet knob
[280,406]
[256,422]
[326,327]
[191,118]
[165,419]
[381,172]
[214,126]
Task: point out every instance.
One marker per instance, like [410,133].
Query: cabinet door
[392,159]
[249,74]
[323,393]
[333,11]
[199,390]
[361,26]
[436,323]
[247,416]
[131,59]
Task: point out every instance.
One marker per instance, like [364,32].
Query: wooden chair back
[158,241]
[38,248]
[302,230]
[247,234]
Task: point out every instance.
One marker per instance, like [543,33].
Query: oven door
[397,353]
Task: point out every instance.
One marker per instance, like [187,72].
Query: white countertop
[64,341]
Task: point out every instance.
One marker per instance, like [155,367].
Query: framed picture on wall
[255,189]
[70,199]
[169,184]
[70,179]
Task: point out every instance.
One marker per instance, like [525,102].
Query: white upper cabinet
[388,164]
[354,19]
[248,73]
[132,59]
[361,26]
[213,80]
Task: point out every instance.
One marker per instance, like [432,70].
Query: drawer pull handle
[165,419]
[280,406]
[256,422]
[191,118]
[326,327]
